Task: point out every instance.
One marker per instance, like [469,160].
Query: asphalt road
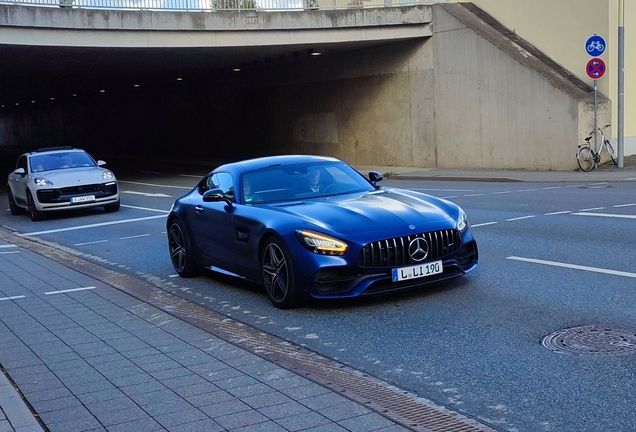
[552,256]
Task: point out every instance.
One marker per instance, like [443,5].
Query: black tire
[112,207]
[611,152]
[278,275]
[181,254]
[34,213]
[13,207]
[585,158]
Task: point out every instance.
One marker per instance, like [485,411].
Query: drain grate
[592,339]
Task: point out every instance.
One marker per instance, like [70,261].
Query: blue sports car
[313,227]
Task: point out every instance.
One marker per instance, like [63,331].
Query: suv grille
[395,251]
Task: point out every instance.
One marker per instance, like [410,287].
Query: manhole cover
[592,339]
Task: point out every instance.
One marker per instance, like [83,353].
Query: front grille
[84,189]
[333,280]
[63,195]
[395,251]
[467,255]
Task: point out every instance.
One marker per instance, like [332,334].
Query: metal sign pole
[621,83]
[595,126]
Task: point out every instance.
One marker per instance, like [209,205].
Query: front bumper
[52,199]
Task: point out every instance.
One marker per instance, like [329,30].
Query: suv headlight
[107,175]
[462,221]
[321,244]
[39,181]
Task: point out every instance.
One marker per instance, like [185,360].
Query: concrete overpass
[440,85]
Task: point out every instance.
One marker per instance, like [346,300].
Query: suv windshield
[64,160]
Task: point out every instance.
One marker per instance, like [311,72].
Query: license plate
[83,199]
[417,271]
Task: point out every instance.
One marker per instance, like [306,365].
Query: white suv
[60,178]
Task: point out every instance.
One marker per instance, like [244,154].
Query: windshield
[56,161]
[301,181]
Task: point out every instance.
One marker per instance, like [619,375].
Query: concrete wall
[560,28]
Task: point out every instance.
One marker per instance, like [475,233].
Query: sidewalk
[87,356]
[607,172]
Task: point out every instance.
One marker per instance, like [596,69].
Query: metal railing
[221,5]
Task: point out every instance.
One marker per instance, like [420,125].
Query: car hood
[369,211]
[72,177]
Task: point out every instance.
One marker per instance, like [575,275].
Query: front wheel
[181,254]
[611,152]
[34,213]
[112,207]
[278,275]
[585,158]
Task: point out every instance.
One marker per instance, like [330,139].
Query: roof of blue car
[263,162]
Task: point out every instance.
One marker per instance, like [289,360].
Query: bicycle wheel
[585,158]
[611,152]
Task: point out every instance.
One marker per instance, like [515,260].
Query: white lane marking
[631,178]
[618,216]
[624,205]
[552,187]
[446,190]
[190,175]
[153,195]
[10,252]
[557,213]
[483,224]
[146,208]
[526,190]
[91,226]
[573,266]
[477,194]
[499,193]
[597,184]
[155,185]
[69,290]
[87,243]
[173,276]
[8,246]
[573,186]
[519,218]
[12,298]
[135,236]
[449,197]
[590,209]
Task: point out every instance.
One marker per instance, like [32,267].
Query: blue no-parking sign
[595,45]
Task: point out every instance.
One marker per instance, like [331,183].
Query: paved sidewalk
[87,356]
[607,172]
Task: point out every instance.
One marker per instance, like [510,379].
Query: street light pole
[621,81]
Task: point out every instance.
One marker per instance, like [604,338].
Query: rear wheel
[34,213]
[278,276]
[181,254]
[585,158]
[13,207]
[611,152]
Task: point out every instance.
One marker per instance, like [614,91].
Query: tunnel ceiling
[35,72]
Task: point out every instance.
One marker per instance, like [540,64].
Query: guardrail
[222,5]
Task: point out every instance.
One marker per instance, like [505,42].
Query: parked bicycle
[588,158]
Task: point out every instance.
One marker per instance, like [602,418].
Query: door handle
[199,209]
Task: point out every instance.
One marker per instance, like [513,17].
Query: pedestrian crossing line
[69,290]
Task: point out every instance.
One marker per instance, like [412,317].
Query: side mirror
[375,177]
[19,171]
[101,163]
[215,195]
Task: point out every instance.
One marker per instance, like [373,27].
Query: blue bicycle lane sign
[595,45]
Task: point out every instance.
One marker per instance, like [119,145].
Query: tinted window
[22,163]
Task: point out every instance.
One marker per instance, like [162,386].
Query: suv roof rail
[44,149]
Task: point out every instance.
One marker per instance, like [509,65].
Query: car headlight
[39,181]
[462,221]
[107,175]
[321,244]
